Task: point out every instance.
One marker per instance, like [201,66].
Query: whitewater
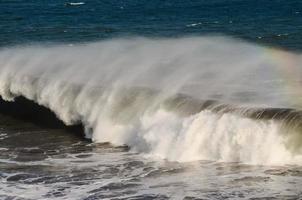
[183,99]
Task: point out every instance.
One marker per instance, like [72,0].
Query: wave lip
[147,94]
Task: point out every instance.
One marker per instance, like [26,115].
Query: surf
[183,99]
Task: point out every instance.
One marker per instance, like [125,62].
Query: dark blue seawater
[276,22]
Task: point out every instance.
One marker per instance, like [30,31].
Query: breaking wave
[185,99]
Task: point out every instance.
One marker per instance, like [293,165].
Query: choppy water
[150,100]
[276,23]
[39,163]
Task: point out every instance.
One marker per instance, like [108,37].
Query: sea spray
[145,93]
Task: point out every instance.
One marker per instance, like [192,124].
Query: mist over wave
[185,99]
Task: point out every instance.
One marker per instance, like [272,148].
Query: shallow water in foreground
[39,163]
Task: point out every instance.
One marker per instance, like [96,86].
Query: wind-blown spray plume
[186,99]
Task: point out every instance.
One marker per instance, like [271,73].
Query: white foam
[107,86]
[76,3]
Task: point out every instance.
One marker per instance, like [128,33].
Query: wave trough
[185,99]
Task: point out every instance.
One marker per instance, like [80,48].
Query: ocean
[127,99]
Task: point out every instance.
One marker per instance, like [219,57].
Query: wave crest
[180,99]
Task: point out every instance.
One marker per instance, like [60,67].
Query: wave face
[185,99]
